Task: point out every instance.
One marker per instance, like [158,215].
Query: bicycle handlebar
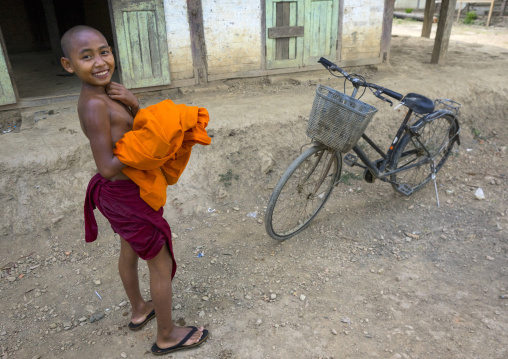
[357,82]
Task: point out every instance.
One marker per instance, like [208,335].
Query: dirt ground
[376,275]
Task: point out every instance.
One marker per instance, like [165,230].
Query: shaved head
[67,38]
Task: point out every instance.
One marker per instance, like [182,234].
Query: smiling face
[89,57]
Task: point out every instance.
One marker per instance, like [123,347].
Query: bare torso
[120,119]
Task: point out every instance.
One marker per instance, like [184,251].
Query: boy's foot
[191,340]
[140,323]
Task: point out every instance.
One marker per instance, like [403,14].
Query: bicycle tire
[438,136]
[295,202]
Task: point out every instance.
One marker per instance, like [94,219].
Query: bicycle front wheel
[425,153]
[302,191]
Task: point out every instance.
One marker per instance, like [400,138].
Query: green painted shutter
[284,52]
[7,94]
[321,26]
[141,41]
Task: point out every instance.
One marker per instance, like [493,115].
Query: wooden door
[299,32]
[321,27]
[140,33]
[284,35]
[8,94]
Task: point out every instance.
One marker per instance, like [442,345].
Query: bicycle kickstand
[433,169]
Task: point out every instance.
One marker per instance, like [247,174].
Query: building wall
[410,4]
[362,28]
[179,40]
[233,35]
[234,39]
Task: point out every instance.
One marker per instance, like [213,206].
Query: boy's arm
[118,92]
[98,128]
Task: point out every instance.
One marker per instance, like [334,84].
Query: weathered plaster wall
[362,26]
[409,4]
[233,35]
[179,41]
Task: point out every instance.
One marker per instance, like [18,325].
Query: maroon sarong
[140,225]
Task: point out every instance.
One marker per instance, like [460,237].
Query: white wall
[179,41]
[410,4]
[362,26]
[233,35]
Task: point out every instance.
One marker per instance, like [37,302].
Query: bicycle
[337,121]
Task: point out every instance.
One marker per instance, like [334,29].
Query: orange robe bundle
[159,146]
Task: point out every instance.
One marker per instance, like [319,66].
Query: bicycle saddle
[418,103]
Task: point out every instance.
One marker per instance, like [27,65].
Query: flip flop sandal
[158,351]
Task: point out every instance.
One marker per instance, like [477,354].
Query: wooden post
[428,18]
[195,14]
[386,33]
[503,6]
[490,12]
[54,33]
[444,29]
[458,12]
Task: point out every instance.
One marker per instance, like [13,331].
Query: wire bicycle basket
[338,120]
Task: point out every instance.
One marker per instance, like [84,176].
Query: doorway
[32,30]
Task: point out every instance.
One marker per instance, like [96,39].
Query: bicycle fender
[436,114]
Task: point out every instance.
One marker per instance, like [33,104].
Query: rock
[97,282]
[123,355]
[267,162]
[201,314]
[122,304]
[11,279]
[346,320]
[334,332]
[302,297]
[205,298]
[96,317]
[479,194]
[57,219]
[259,322]
[273,296]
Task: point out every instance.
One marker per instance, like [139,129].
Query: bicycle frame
[378,167]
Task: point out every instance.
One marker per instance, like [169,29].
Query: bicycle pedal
[350,159]
[405,189]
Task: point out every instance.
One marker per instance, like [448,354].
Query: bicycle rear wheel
[302,191]
[426,152]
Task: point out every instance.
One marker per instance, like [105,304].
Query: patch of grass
[228,177]
[470,17]
[409,11]
[476,133]
[347,177]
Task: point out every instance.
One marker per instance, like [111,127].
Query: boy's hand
[118,92]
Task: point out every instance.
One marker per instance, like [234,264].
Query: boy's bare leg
[128,268]
[168,334]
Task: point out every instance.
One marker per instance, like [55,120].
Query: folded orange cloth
[159,146]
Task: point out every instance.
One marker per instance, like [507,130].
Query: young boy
[106,112]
